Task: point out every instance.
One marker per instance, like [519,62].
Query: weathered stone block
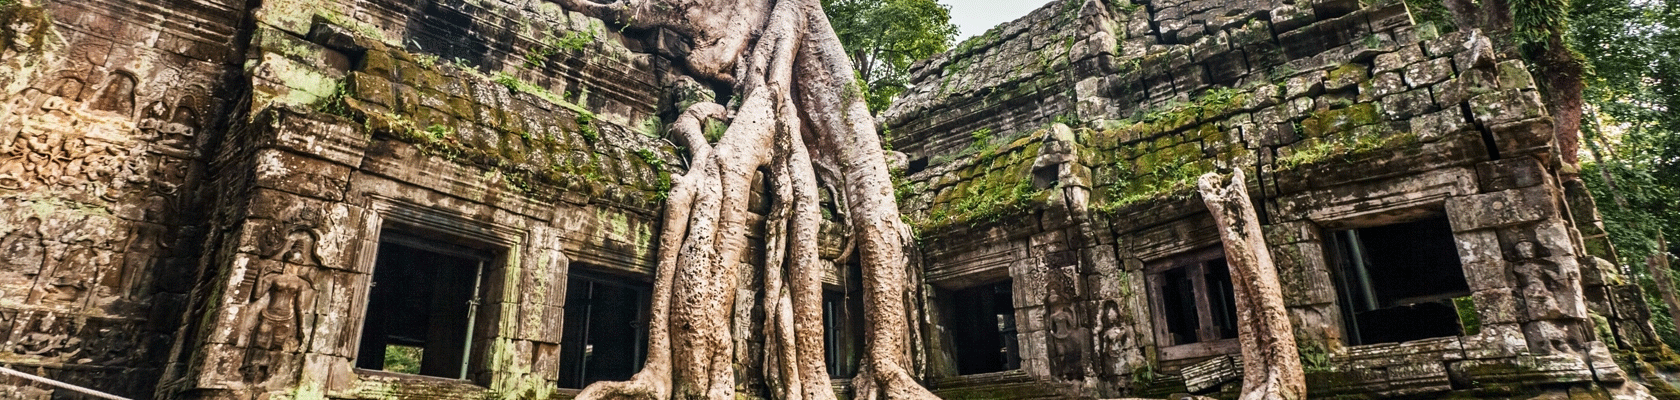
[1506,106]
[1447,44]
[1477,53]
[1385,84]
[1629,302]
[1498,306]
[1346,76]
[1531,136]
[1406,55]
[1513,74]
[1307,84]
[1428,72]
[1495,341]
[1498,209]
[1287,18]
[1510,173]
[1478,247]
[300,175]
[1404,106]
[1438,125]
[1390,14]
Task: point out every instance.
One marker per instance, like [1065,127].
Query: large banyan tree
[796,113]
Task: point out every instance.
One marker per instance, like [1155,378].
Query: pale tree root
[790,125]
[653,382]
[1272,366]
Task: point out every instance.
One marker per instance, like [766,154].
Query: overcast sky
[974,17]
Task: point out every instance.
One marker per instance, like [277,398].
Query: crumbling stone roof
[1297,95]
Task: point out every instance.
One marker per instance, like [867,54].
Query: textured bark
[1271,365]
[799,111]
[1658,265]
[1561,74]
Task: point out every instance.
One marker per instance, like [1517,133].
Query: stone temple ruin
[442,199]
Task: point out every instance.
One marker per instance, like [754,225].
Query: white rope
[70,387]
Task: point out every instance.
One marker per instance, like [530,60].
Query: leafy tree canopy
[1631,130]
[884,37]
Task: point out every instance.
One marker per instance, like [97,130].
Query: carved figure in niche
[24,45]
[1068,342]
[117,95]
[11,121]
[25,254]
[73,275]
[1114,342]
[281,311]
[26,30]
[145,246]
[168,175]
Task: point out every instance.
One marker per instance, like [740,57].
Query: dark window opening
[421,308]
[1196,299]
[984,329]
[1398,281]
[917,165]
[843,323]
[842,333]
[1180,300]
[605,336]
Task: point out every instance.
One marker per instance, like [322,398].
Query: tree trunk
[1660,272]
[800,108]
[1561,71]
[1271,364]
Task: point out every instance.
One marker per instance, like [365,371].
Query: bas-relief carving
[1117,347]
[28,40]
[280,312]
[108,134]
[25,254]
[1070,343]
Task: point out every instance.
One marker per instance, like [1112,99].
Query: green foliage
[403,359]
[1432,13]
[1351,144]
[426,60]
[1144,374]
[552,45]
[1314,357]
[1468,319]
[1631,130]
[334,103]
[438,133]
[1534,21]
[513,83]
[883,37]
[586,128]
[714,130]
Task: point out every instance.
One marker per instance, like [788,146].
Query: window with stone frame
[605,333]
[422,306]
[1195,311]
[983,329]
[1397,282]
[843,322]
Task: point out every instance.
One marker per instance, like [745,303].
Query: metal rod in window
[472,317]
[1359,263]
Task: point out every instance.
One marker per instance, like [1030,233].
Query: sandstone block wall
[170,172]
[1344,116]
[109,113]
